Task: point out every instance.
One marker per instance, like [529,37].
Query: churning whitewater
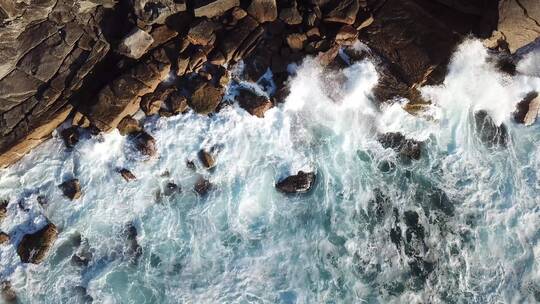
[459,225]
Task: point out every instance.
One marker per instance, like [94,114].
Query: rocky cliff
[96,62]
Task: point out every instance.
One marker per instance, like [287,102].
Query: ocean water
[460,225]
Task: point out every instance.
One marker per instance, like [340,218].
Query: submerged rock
[3,208]
[489,133]
[133,249]
[4,238]
[34,247]
[299,183]
[408,148]
[71,189]
[202,186]
[171,188]
[8,294]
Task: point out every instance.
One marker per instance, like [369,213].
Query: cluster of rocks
[99,62]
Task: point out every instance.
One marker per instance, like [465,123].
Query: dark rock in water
[82,294]
[386,166]
[488,132]
[177,104]
[407,148]
[4,238]
[202,186]
[79,261]
[171,188]
[3,208]
[42,200]
[528,109]
[8,294]
[34,247]
[299,183]
[253,103]
[127,175]
[395,236]
[207,159]
[206,98]
[435,198]
[70,136]
[71,189]
[145,143]
[191,165]
[134,249]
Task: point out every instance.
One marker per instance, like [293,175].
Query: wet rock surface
[33,248]
[71,189]
[489,133]
[407,148]
[302,182]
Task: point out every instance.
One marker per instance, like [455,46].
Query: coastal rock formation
[33,247]
[71,189]
[300,183]
[99,61]
[528,109]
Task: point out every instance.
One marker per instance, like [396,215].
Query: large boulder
[136,43]
[255,104]
[33,247]
[263,10]
[302,182]
[206,98]
[71,189]
[157,11]
[241,40]
[519,22]
[144,143]
[407,148]
[528,109]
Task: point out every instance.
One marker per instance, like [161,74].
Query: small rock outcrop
[519,23]
[70,136]
[128,125]
[202,186]
[127,175]
[302,182]
[253,103]
[144,143]
[408,148]
[135,44]
[207,159]
[4,238]
[71,189]
[206,98]
[528,109]
[8,294]
[33,247]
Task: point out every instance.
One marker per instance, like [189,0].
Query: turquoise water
[460,225]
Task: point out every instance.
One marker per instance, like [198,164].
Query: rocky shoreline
[97,62]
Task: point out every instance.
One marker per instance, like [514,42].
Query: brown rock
[346,35]
[128,125]
[519,22]
[238,13]
[157,11]
[299,183]
[70,136]
[241,40]
[296,41]
[33,247]
[263,10]
[255,104]
[212,8]
[152,102]
[202,33]
[162,34]
[177,104]
[3,208]
[127,175]
[206,98]
[344,12]
[135,44]
[81,121]
[290,15]
[207,159]
[4,238]
[71,189]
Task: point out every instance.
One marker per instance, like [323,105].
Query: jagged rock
[133,247]
[123,95]
[255,104]
[157,11]
[202,186]
[300,183]
[71,189]
[202,33]
[206,98]
[162,34]
[263,10]
[344,12]
[135,44]
[489,133]
[144,143]
[177,104]
[33,247]
[128,125]
[290,15]
[70,136]
[296,41]
[81,121]
[238,13]
[4,238]
[8,294]
[3,208]
[212,8]
[127,175]
[171,188]
[191,165]
[207,159]
[241,40]
[152,102]
[346,35]
[528,109]
[408,148]
[519,22]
